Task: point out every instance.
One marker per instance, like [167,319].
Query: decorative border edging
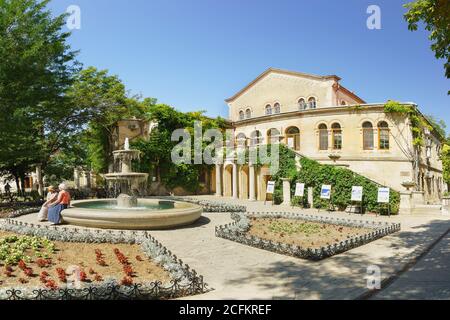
[237,231]
[185,281]
[209,205]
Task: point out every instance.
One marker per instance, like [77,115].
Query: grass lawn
[28,261]
[302,233]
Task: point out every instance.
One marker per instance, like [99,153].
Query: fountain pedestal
[126,201]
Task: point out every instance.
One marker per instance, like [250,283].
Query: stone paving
[237,271]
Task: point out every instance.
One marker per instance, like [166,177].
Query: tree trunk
[16,178]
[40,180]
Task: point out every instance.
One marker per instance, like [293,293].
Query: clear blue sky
[193,54]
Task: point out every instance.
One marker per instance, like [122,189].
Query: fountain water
[126,180]
[129,212]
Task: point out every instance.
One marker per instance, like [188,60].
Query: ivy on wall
[314,175]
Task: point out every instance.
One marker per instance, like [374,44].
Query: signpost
[325,193]
[356,199]
[299,190]
[384,197]
[270,190]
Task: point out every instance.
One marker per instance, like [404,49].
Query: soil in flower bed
[50,264]
[302,233]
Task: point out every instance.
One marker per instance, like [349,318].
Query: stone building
[320,119]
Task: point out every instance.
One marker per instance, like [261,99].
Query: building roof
[281,71]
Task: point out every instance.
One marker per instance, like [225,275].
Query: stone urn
[408,185]
[334,156]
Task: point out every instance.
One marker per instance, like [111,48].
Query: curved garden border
[185,281]
[237,231]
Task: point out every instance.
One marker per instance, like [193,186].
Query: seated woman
[52,195]
[62,202]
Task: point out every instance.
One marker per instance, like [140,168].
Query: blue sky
[193,54]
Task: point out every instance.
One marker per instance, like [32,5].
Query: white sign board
[270,187]
[383,195]
[325,193]
[299,189]
[290,142]
[357,193]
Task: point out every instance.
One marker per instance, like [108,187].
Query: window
[277,108]
[368,136]
[248,114]
[293,138]
[241,115]
[312,103]
[241,140]
[343,103]
[268,110]
[255,138]
[383,135]
[337,136]
[323,137]
[302,104]
[273,136]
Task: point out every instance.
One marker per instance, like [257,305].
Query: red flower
[98,278]
[51,284]
[101,262]
[42,263]
[139,258]
[83,276]
[126,281]
[28,272]
[61,274]
[128,270]
[22,265]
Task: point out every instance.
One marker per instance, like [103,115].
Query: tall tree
[36,69]
[435,14]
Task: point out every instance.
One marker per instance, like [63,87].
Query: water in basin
[112,205]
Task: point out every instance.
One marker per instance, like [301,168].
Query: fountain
[128,211]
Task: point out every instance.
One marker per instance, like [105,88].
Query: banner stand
[270,190]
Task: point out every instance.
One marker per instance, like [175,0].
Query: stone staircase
[427,209]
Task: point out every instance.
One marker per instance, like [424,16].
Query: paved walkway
[429,279]
[237,271]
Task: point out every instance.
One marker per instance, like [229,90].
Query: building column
[218,181]
[235,181]
[251,169]
[286,192]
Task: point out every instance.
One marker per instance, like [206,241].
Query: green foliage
[435,15]
[314,175]
[156,150]
[290,228]
[445,157]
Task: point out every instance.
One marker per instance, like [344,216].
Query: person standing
[7,189]
[61,203]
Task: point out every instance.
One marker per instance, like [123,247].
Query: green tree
[36,69]
[435,14]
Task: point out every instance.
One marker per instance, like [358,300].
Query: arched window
[241,140]
[312,103]
[241,115]
[248,113]
[368,136]
[336,136]
[383,135]
[277,108]
[293,138]
[343,103]
[323,137]
[256,138]
[273,136]
[268,110]
[302,104]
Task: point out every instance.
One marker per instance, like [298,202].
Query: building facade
[322,120]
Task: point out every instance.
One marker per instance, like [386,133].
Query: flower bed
[239,231]
[181,280]
[212,206]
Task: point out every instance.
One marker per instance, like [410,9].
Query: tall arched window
[293,138]
[302,104]
[241,115]
[268,110]
[273,136]
[277,108]
[368,136]
[248,113]
[256,138]
[241,140]
[343,103]
[383,135]
[323,137]
[312,103]
[337,136]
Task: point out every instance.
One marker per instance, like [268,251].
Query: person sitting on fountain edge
[63,202]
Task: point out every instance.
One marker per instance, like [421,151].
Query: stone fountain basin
[181,214]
